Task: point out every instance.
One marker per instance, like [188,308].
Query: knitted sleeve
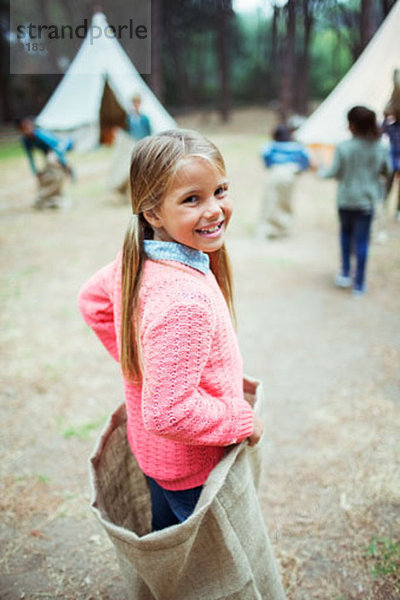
[175,350]
[335,171]
[96,305]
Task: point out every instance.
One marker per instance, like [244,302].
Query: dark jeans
[355,226]
[171,507]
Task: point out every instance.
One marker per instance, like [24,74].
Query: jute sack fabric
[118,179]
[221,552]
[277,202]
[50,190]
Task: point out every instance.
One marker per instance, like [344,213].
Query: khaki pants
[276,208]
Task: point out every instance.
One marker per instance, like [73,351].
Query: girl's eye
[190,200]
[221,190]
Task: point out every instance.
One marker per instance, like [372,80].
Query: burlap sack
[221,552]
[118,178]
[50,186]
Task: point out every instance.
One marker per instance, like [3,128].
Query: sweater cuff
[246,426]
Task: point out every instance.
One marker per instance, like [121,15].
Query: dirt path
[329,365]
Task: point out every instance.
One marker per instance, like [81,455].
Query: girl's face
[196,209]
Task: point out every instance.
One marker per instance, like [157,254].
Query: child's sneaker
[342,281]
[358,292]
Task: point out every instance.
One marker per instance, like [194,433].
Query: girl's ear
[152,218]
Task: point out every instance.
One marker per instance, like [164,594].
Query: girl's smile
[212,231]
[196,209]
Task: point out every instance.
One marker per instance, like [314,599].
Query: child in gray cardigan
[359,165]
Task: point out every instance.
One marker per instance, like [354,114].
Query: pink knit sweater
[190,405]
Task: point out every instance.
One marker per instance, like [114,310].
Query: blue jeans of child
[355,226]
[171,507]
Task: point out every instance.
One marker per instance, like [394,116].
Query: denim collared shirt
[196,259]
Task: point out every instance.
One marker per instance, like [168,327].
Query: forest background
[210,54]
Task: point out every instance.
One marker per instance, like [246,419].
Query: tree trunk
[274,36]
[367,24]
[156,79]
[176,56]
[71,15]
[304,62]
[45,18]
[5,102]
[5,111]
[387,6]
[286,91]
[202,68]
[274,55]
[222,50]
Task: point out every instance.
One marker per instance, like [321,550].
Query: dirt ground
[329,363]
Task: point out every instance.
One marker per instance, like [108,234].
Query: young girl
[164,309]
[358,164]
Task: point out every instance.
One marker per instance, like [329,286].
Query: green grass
[83,431]
[385,556]
[43,478]
[14,149]
[12,284]
[10,150]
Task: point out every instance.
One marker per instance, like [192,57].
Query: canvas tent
[96,92]
[369,82]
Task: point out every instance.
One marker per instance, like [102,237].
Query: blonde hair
[155,161]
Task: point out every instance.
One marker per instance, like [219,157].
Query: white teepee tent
[97,89]
[369,83]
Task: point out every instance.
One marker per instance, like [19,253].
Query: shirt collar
[196,259]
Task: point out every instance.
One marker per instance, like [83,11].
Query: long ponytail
[132,266]
[220,265]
